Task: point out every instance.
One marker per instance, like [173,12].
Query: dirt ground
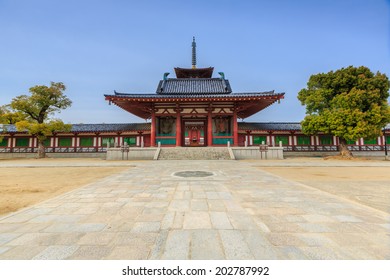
[24,186]
[366,185]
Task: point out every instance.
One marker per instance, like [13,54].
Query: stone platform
[235,211]
[194,153]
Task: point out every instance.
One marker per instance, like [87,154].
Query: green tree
[9,116]
[43,102]
[349,103]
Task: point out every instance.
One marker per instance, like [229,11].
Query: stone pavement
[239,212]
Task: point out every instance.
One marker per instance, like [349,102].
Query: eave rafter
[245,105]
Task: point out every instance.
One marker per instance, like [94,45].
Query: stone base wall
[327,154]
[149,153]
[255,153]
[53,155]
[133,154]
[195,153]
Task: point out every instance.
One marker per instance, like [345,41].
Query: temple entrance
[194,133]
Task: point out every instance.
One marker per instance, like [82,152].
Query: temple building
[194,109]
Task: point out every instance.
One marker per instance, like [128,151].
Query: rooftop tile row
[194,86]
[117,127]
[181,95]
[100,127]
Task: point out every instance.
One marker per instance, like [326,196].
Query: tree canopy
[350,103]
[43,102]
[9,116]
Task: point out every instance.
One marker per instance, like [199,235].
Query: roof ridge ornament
[193,53]
[164,81]
[223,81]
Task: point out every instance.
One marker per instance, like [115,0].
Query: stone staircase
[194,153]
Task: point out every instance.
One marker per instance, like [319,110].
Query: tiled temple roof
[110,127]
[119,127]
[181,95]
[100,127]
[269,126]
[194,86]
[277,126]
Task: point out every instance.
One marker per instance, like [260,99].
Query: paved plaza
[231,210]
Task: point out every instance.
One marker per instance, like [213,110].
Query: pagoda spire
[193,72]
[193,53]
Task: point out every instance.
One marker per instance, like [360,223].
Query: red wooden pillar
[11,142]
[292,140]
[153,130]
[271,138]
[235,129]
[141,139]
[120,139]
[209,128]
[54,141]
[248,135]
[75,142]
[97,142]
[178,128]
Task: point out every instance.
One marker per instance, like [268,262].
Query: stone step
[194,153]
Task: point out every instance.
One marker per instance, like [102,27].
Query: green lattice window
[166,134]
[222,141]
[351,142]
[22,142]
[388,140]
[166,141]
[326,140]
[4,142]
[222,134]
[86,141]
[47,142]
[371,141]
[257,140]
[108,140]
[131,141]
[303,140]
[281,138]
[65,142]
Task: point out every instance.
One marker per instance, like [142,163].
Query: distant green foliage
[350,103]
[9,116]
[43,102]
[42,130]
[37,108]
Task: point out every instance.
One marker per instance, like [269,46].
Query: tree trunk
[41,150]
[343,147]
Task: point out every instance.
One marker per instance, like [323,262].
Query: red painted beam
[153,130]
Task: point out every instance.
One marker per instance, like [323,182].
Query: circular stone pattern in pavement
[193,174]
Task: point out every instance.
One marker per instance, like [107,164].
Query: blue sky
[96,47]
